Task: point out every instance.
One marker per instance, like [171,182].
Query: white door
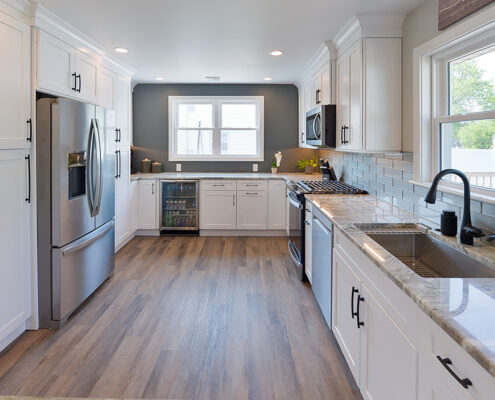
[342,92]
[252,209]
[87,74]
[14,243]
[308,245]
[134,205]
[276,204]
[122,196]
[354,135]
[345,287]
[122,109]
[147,205]
[105,87]
[217,209]
[56,66]
[325,84]
[15,70]
[389,361]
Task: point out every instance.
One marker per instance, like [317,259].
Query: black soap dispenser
[448,223]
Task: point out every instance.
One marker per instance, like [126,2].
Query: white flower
[278,157]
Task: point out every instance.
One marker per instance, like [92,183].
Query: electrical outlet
[178,167]
[255,167]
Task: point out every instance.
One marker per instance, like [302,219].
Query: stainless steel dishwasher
[322,244]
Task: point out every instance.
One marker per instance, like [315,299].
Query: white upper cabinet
[122,110]
[86,69]
[15,83]
[369,85]
[321,86]
[105,86]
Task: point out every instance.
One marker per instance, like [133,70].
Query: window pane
[241,142]
[472,83]
[238,115]
[468,146]
[194,142]
[195,116]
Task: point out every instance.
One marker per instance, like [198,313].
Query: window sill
[482,197]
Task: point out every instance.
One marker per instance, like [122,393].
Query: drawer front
[439,344]
[218,184]
[252,184]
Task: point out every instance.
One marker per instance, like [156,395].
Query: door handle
[353,291]
[294,201]
[117,136]
[345,128]
[89,168]
[30,123]
[358,315]
[28,160]
[323,228]
[318,101]
[100,168]
[117,165]
[91,238]
[152,188]
[80,83]
[75,82]
[447,362]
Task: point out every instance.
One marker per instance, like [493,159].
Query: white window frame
[430,95]
[217,101]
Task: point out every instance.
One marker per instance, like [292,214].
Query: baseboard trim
[241,232]
[125,241]
[11,337]
[147,232]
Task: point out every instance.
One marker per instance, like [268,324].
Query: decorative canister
[146,165]
[156,167]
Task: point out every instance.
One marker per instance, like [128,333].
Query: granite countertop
[463,308]
[227,175]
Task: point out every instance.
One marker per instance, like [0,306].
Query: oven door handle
[292,253]
[294,201]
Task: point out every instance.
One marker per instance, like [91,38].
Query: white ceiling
[186,40]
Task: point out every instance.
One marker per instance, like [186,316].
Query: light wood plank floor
[184,318]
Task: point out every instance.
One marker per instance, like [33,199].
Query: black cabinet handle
[117,135]
[120,135]
[30,123]
[28,159]
[447,362]
[117,164]
[80,83]
[353,291]
[344,128]
[358,315]
[318,96]
[342,135]
[75,82]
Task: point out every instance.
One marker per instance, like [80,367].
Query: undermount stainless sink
[431,258]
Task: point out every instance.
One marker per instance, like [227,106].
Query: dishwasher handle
[323,227]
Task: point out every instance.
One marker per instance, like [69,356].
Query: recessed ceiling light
[268,78]
[121,50]
[212,78]
[276,53]
[159,78]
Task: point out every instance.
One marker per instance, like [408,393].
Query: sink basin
[431,258]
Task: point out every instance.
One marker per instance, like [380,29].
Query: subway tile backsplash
[387,177]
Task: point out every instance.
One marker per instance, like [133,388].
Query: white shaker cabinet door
[217,209]
[87,74]
[122,196]
[276,204]
[389,361]
[56,65]
[252,209]
[122,110]
[147,215]
[15,69]
[15,275]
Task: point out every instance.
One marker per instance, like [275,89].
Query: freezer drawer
[80,268]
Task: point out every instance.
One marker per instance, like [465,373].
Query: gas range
[326,187]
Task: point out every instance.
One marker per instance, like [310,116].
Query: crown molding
[47,21]
[326,52]
[19,9]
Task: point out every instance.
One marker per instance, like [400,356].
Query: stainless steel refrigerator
[75,153]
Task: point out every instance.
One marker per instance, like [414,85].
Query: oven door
[296,234]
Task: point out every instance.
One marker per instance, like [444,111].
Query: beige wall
[419,26]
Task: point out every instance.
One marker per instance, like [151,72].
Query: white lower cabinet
[308,245]
[218,209]
[15,274]
[134,205]
[276,204]
[252,210]
[389,360]
[147,213]
[122,196]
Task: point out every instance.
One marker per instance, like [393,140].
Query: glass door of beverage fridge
[179,205]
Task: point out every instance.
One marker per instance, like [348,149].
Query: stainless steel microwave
[321,126]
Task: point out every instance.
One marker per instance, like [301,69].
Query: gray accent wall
[150,125]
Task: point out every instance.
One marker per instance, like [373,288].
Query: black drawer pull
[80,83]
[353,313]
[28,160]
[75,82]
[30,123]
[447,362]
[358,315]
